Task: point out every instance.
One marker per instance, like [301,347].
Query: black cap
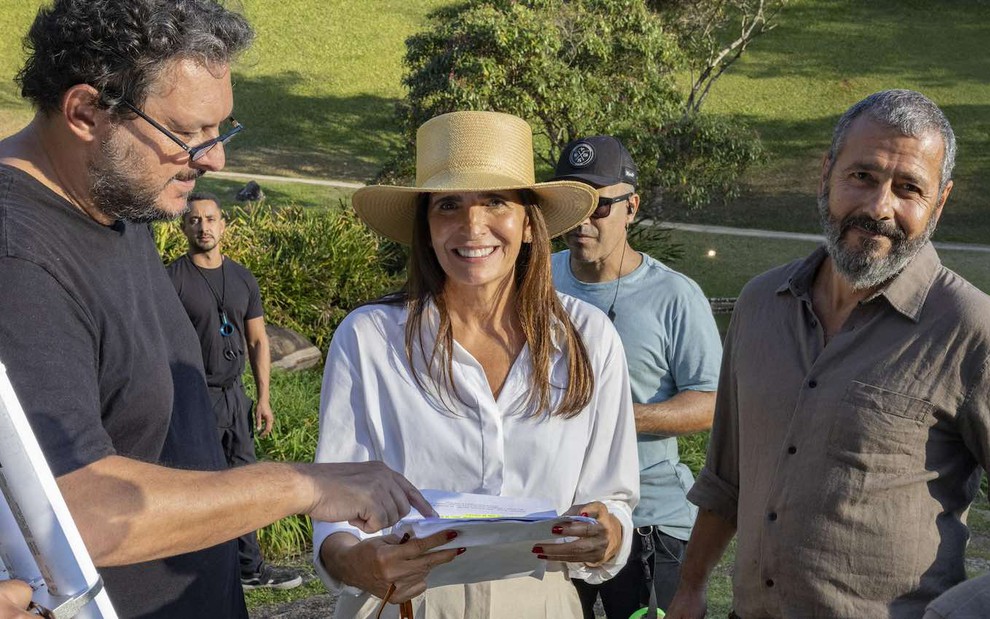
[599,161]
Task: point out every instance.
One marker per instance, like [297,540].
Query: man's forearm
[260,357]
[130,511]
[685,413]
[709,539]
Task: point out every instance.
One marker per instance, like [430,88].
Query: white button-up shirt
[371,408]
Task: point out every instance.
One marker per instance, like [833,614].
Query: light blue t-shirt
[672,345]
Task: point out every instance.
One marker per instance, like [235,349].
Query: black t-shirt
[203,292]
[104,361]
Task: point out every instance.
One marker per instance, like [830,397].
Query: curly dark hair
[120,47]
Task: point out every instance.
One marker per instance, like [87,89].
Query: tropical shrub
[312,265]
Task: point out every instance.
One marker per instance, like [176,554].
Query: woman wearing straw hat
[478,377]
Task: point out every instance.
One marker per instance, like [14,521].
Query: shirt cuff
[715,494]
[598,575]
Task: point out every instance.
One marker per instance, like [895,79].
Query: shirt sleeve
[344,435]
[695,346]
[610,472]
[973,417]
[50,348]
[969,599]
[255,307]
[717,486]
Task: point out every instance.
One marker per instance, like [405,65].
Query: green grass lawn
[739,259]
[792,85]
[318,90]
[281,194]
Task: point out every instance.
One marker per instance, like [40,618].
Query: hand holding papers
[498,532]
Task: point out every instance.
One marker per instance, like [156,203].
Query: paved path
[797,236]
[750,232]
[287,179]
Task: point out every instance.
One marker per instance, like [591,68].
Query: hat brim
[390,210]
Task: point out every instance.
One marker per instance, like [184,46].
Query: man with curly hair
[134,103]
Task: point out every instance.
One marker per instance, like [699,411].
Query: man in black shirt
[133,102]
[224,305]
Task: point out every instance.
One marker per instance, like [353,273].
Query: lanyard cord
[611,308]
[226,327]
[222,297]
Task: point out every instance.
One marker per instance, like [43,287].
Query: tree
[714,34]
[584,67]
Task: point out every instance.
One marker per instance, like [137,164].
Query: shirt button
[769,582]
[814,323]
[772,516]
[792,450]
[812,383]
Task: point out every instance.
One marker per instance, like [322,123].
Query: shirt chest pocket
[877,430]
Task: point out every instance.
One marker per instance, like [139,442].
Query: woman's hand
[598,542]
[377,562]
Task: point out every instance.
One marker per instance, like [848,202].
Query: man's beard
[205,246]
[119,191]
[863,268]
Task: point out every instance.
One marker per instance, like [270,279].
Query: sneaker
[271,578]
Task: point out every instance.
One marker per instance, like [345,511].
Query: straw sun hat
[472,151]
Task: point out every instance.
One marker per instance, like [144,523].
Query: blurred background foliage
[312,265]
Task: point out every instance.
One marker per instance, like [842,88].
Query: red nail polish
[460,551]
[557,530]
[451,535]
[585,514]
[544,557]
[538,549]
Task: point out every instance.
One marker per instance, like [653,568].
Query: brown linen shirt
[848,468]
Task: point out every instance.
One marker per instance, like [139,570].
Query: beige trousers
[554,597]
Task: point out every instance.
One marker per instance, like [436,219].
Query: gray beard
[118,192]
[862,268]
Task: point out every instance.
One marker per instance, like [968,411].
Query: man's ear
[82,114]
[632,209]
[826,172]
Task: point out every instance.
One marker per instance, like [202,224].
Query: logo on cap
[581,155]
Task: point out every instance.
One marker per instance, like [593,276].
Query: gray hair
[909,112]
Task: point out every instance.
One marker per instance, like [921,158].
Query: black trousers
[235,425]
[627,592]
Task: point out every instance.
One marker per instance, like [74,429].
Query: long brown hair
[537,308]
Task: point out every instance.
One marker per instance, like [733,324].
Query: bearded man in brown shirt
[853,411]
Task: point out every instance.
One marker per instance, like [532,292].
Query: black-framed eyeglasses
[195,152]
[604,207]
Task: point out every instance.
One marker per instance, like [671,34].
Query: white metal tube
[35,505]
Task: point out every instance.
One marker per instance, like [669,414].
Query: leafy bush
[313,265]
[692,160]
[574,68]
[295,399]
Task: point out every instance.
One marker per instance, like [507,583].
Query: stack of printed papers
[498,532]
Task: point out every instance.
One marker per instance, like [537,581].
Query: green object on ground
[642,613]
